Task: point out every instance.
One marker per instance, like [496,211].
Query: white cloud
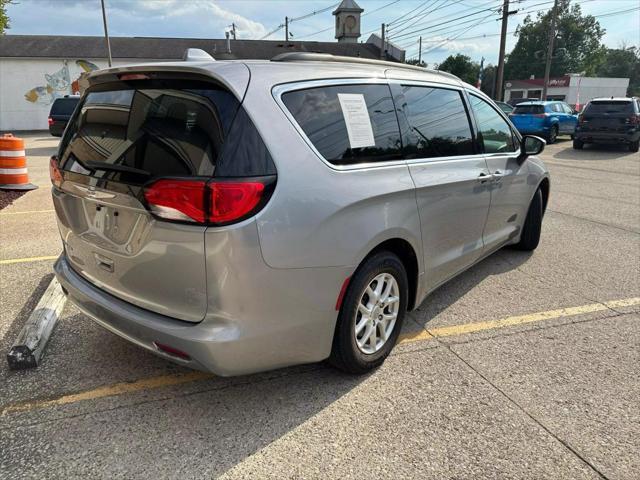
[197,11]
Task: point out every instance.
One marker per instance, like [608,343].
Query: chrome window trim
[280,89]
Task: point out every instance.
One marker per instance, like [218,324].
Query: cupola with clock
[348,21]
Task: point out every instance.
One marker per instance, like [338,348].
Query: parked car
[609,120]
[546,118]
[505,107]
[60,113]
[236,226]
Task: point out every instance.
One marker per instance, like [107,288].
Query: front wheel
[634,146]
[532,225]
[577,144]
[553,134]
[371,314]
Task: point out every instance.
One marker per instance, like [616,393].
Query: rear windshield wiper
[110,167]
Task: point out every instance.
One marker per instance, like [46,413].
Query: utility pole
[382,44]
[552,36]
[106,32]
[420,52]
[286,29]
[503,41]
[233,30]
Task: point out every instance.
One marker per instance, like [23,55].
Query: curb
[28,348]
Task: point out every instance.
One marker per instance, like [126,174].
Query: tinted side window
[438,122]
[493,131]
[323,113]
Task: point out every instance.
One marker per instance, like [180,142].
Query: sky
[447,27]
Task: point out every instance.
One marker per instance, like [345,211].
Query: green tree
[623,62]
[4,19]
[489,80]
[461,66]
[577,47]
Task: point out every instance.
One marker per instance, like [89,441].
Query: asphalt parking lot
[526,366]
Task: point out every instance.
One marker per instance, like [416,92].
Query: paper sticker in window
[356,118]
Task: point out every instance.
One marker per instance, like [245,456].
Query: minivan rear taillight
[178,199]
[199,201]
[232,200]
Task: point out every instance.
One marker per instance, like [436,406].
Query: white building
[573,89]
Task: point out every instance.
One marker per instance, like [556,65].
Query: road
[525,366]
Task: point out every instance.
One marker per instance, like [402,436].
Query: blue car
[545,118]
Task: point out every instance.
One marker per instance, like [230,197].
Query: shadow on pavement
[441,299]
[594,152]
[8,197]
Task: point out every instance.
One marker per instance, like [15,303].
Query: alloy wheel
[377,313]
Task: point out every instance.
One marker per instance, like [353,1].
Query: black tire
[553,134]
[577,144]
[530,237]
[634,146]
[345,353]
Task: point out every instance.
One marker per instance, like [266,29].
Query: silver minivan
[238,216]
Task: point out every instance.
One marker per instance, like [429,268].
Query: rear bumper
[608,137]
[217,344]
[57,129]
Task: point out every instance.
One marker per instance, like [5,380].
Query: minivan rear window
[528,109]
[373,134]
[133,135]
[64,106]
[609,106]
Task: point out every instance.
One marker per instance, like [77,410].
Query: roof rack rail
[327,57]
[197,55]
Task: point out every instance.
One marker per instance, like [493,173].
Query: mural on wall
[58,84]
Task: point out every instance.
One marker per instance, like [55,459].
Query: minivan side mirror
[531,145]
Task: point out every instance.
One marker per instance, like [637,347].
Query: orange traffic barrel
[13,164]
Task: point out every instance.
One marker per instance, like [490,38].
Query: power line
[493,10]
[408,23]
[301,17]
[422,7]
[486,35]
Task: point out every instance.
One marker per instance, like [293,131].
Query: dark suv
[60,113]
[609,120]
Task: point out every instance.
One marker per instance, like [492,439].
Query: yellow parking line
[26,260]
[170,380]
[517,320]
[25,212]
[110,390]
